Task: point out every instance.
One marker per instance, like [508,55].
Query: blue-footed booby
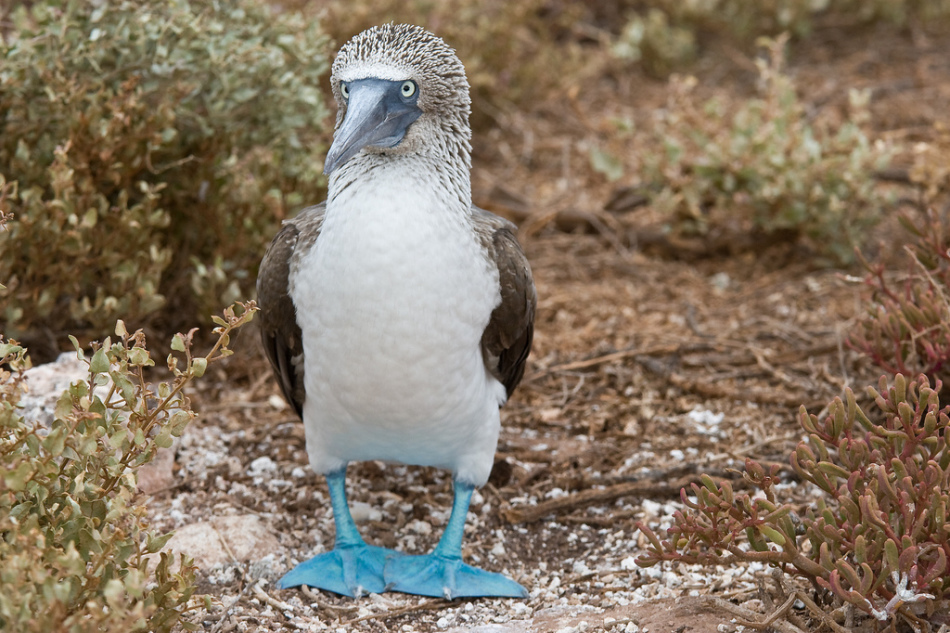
[396,314]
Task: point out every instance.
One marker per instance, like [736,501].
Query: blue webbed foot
[442,574]
[447,577]
[350,570]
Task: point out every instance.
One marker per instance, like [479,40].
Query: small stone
[363,512]
[159,474]
[261,465]
[419,527]
[46,383]
[246,536]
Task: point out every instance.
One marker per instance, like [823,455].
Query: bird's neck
[449,179]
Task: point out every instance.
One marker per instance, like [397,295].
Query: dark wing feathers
[507,339]
[505,342]
[280,333]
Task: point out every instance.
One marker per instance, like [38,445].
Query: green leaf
[155,543]
[118,439]
[79,352]
[607,164]
[16,478]
[100,362]
[64,406]
[164,438]
[55,441]
[179,420]
[9,349]
[125,387]
[113,592]
[139,357]
[772,534]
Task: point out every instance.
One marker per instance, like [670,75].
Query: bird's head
[400,90]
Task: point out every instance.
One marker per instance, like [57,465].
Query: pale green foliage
[665,34]
[74,539]
[653,41]
[931,169]
[147,150]
[763,166]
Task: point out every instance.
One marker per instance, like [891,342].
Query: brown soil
[647,370]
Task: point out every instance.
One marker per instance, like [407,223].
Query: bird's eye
[344,90]
[408,89]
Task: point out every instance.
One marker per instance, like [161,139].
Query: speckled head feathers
[403,51]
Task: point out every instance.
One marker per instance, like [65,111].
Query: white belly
[392,303]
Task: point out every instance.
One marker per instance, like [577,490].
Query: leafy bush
[74,541]
[147,150]
[665,34]
[931,169]
[876,539]
[653,41]
[763,167]
[906,329]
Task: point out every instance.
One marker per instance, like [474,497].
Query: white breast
[392,303]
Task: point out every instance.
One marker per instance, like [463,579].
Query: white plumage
[392,303]
[397,315]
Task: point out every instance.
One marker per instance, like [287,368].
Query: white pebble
[262,465]
[419,527]
[362,512]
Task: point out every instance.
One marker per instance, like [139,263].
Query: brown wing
[507,339]
[280,333]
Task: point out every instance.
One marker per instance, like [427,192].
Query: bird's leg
[353,568]
[442,574]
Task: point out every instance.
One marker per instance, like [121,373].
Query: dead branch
[643,489]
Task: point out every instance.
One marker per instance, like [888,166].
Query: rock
[247,537]
[159,474]
[46,383]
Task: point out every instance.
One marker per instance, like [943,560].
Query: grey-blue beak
[377,115]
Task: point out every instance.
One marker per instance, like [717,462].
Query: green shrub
[664,34]
[761,166]
[931,169]
[653,41]
[74,540]
[876,539]
[147,151]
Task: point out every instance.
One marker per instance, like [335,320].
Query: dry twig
[262,595]
[644,489]
[428,605]
[335,611]
[750,618]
